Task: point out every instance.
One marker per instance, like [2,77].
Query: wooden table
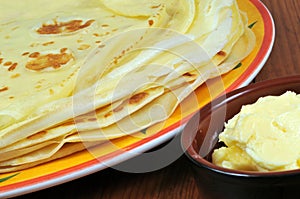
[176,180]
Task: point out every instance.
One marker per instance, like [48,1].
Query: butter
[264,136]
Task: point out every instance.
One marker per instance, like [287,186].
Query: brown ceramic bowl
[200,138]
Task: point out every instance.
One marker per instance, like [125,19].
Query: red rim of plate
[60,177]
[263,53]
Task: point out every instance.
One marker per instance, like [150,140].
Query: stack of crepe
[93,70]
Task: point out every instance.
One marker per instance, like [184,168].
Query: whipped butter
[264,136]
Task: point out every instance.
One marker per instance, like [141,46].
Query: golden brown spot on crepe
[8,63]
[26,53]
[15,75]
[96,35]
[222,53]
[84,47]
[92,119]
[153,7]
[48,43]
[137,98]
[49,60]
[68,123]
[63,50]
[118,109]
[37,135]
[11,97]
[150,22]
[80,120]
[34,55]
[12,67]
[108,114]
[64,27]
[116,59]
[5,88]
[101,46]
[1,60]
[188,74]
[79,40]
[97,42]
[105,25]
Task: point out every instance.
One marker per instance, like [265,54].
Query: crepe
[91,71]
[48,49]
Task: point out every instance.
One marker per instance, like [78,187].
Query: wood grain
[176,181]
[284,59]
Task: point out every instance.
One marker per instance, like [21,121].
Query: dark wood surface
[176,180]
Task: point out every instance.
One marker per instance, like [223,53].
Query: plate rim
[264,53]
